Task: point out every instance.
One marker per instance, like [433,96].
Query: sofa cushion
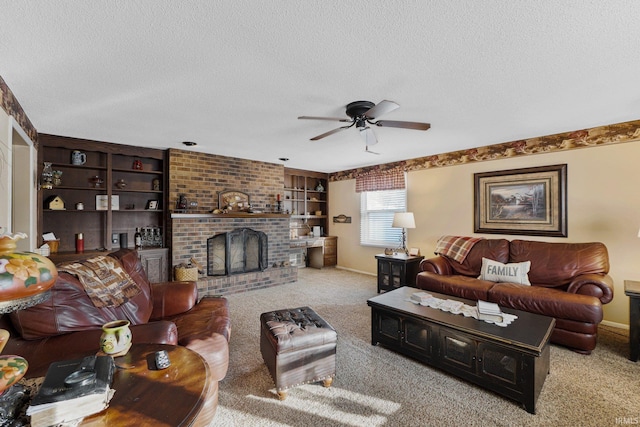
[70,309]
[495,271]
[549,302]
[460,286]
[557,264]
[496,249]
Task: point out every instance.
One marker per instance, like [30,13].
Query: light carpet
[375,386]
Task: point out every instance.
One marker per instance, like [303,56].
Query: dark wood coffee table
[144,397]
[512,360]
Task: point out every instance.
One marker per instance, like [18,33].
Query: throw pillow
[495,271]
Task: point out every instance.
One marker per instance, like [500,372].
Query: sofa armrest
[597,285]
[438,265]
[172,298]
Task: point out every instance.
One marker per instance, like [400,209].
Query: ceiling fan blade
[404,125]
[382,108]
[331,132]
[333,119]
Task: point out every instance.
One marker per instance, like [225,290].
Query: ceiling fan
[364,113]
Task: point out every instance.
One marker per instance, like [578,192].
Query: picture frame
[152,205]
[528,201]
[414,251]
[102,202]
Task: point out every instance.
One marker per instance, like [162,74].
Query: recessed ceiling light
[189,143]
[284,159]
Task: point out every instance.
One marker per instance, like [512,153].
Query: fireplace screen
[238,251]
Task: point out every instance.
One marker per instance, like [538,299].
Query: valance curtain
[392,179]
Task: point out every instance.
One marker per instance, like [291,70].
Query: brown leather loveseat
[569,281]
[68,325]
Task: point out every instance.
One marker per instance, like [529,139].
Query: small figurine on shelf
[137,165]
[182,203]
[57,178]
[319,187]
[121,184]
[156,184]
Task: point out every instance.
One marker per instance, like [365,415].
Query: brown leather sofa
[569,281]
[68,325]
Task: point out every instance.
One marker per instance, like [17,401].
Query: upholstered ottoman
[298,347]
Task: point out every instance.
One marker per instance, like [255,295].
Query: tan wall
[603,205]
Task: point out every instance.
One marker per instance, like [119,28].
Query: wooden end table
[145,397]
[396,271]
[632,290]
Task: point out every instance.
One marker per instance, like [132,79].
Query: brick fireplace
[200,177]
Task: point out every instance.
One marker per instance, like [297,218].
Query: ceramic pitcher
[78,157]
[116,337]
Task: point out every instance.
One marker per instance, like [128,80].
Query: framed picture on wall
[530,201]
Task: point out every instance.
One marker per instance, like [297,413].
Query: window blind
[376,216]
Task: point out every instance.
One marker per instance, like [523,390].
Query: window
[376,216]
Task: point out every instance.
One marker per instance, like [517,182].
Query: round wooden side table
[148,397]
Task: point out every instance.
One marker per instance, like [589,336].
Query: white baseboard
[615,324]
[355,271]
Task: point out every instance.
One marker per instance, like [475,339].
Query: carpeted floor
[377,387]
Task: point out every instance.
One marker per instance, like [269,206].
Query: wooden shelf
[112,163]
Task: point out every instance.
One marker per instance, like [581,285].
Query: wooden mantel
[229,215]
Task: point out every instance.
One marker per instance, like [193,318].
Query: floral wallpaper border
[13,108]
[593,137]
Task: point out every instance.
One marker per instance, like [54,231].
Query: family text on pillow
[495,271]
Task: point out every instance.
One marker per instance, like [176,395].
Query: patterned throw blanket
[107,284]
[455,247]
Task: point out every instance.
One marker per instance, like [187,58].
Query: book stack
[489,311]
[73,389]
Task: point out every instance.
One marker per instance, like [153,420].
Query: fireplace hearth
[242,250]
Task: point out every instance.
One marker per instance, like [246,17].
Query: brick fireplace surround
[200,177]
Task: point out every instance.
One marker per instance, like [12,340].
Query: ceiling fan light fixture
[189,143]
[368,136]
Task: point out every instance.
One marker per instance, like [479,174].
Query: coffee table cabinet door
[499,364]
[458,351]
[417,338]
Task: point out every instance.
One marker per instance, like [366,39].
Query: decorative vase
[116,337]
[47,176]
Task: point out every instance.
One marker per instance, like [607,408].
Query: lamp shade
[25,277]
[403,220]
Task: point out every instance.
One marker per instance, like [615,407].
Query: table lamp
[403,220]
[25,280]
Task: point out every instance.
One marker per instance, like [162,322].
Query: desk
[632,290]
[170,397]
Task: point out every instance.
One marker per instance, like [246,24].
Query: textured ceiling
[234,76]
